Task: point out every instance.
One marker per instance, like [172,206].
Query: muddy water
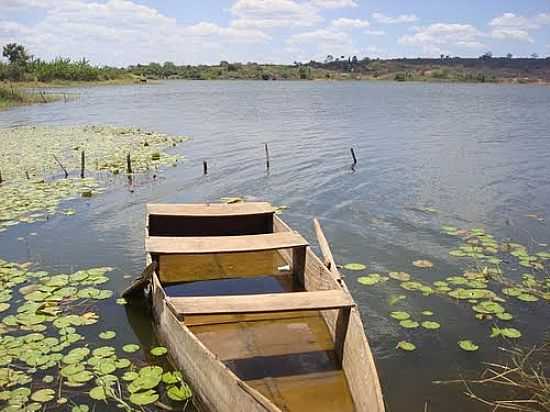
[477,154]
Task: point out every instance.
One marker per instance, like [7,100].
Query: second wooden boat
[254,319]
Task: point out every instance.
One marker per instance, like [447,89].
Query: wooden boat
[254,319]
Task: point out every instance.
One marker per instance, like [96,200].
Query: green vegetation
[30,160]
[12,96]
[483,287]
[45,361]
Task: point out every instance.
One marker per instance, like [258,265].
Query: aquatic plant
[45,358]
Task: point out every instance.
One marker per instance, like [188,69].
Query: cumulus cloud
[324,42]
[333,4]
[347,24]
[439,37]
[274,14]
[402,18]
[515,27]
[120,32]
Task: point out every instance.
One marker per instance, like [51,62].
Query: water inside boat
[287,356]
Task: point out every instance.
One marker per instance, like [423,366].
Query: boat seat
[210,209]
[261,303]
[223,244]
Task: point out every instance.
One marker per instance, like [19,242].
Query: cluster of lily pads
[30,157]
[483,286]
[45,361]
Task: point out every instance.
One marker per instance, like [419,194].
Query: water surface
[478,154]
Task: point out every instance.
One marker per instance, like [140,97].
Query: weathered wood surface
[357,359]
[223,244]
[215,386]
[261,303]
[210,209]
[324,246]
[140,282]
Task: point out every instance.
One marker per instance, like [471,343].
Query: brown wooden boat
[254,319]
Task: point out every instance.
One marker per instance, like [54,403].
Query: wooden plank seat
[223,244]
[210,209]
[261,303]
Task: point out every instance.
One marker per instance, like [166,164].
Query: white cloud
[374,32]
[324,42]
[333,4]
[515,27]
[511,20]
[402,18]
[347,24]
[510,33]
[439,37]
[274,14]
[121,32]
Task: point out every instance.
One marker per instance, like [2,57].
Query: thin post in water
[62,167]
[1,177]
[353,155]
[129,164]
[266,157]
[82,164]
[204,167]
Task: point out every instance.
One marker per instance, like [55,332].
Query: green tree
[16,54]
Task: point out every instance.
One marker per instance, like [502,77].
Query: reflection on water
[477,154]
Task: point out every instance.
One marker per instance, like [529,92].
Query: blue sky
[122,32]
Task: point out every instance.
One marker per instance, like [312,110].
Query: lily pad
[430,325]
[409,324]
[144,398]
[130,348]
[423,263]
[179,393]
[43,395]
[400,315]
[159,351]
[526,297]
[406,346]
[401,276]
[109,334]
[468,345]
[354,266]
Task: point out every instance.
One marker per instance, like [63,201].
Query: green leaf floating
[159,351]
[400,315]
[526,297]
[80,408]
[409,324]
[427,313]
[172,378]
[506,332]
[488,306]
[109,334]
[43,395]
[180,393]
[430,325]
[371,279]
[504,316]
[144,398]
[130,348]
[402,276]
[355,266]
[406,346]
[98,393]
[467,345]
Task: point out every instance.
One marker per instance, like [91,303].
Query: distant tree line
[22,66]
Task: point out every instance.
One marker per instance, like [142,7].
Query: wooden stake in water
[266,157]
[1,177]
[62,167]
[353,155]
[82,164]
[129,164]
[204,167]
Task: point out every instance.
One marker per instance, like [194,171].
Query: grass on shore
[11,96]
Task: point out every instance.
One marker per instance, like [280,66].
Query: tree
[534,56]
[15,53]
[329,59]
[354,60]
[509,55]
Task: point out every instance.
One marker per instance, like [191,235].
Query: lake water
[477,154]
